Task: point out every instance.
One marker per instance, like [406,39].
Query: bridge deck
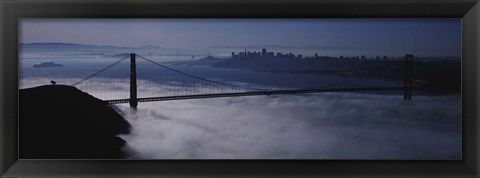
[255,93]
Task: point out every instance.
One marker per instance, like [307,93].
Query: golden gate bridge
[166,85]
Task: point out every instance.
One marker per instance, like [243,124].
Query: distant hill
[76,45]
[66,45]
[62,122]
[106,50]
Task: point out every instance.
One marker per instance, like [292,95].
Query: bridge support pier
[407,95]
[133,82]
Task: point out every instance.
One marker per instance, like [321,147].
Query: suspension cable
[199,78]
[100,71]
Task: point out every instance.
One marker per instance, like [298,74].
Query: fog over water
[303,126]
[313,126]
[367,125]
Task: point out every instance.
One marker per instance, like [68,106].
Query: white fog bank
[314,126]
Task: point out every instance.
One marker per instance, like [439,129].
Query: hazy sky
[423,37]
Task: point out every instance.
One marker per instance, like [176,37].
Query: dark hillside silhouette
[62,122]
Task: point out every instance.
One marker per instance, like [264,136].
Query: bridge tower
[407,95]
[133,82]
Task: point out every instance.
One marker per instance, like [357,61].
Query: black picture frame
[11,11]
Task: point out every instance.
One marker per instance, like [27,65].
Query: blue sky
[371,37]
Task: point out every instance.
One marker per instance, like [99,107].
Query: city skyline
[329,37]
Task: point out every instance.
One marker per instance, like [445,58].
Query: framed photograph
[239,88]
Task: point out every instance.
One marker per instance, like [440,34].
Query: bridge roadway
[256,93]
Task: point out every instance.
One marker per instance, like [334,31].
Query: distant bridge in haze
[180,85]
